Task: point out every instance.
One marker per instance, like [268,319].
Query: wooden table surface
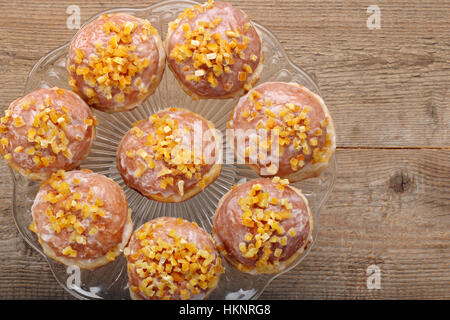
[388,92]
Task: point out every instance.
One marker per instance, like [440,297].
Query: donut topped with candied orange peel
[47,130]
[214,51]
[263,225]
[116,61]
[283,129]
[170,156]
[81,218]
[171,258]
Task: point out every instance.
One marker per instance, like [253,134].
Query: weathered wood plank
[385,88]
[390,208]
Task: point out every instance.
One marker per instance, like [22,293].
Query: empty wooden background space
[388,92]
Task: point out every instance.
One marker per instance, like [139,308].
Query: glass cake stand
[110,281]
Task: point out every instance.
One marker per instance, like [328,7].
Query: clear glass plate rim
[288,64]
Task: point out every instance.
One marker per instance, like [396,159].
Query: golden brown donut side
[221,80]
[134,153]
[81,218]
[261,109]
[91,264]
[46,130]
[195,265]
[231,233]
[117,81]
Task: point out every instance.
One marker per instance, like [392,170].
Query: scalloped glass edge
[283,63]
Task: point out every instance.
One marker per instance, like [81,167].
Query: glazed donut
[283,129]
[263,225]
[81,218]
[214,51]
[45,131]
[115,62]
[170,156]
[170,258]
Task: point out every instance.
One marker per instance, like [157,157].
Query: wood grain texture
[388,92]
[389,208]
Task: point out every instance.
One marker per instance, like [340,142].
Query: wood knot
[400,182]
